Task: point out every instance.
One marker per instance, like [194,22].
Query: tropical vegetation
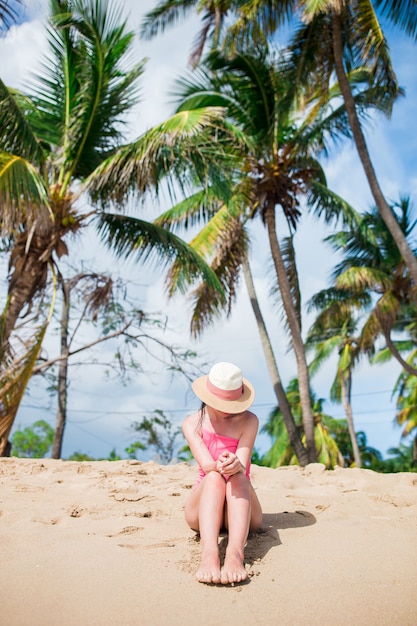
[330,37]
[53,141]
[247,141]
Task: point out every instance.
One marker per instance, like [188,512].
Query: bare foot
[209,570]
[233,570]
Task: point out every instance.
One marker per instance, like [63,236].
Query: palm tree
[276,169]
[342,37]
[288,419]
[371,457]
[328,334]
[403,459]
[281,453]
[371,281]
[407,408]
[338,37]
[56,137]
[372,266]
[168,12]
[55,141]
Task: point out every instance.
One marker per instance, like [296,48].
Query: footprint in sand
[50,522]
[126,496]
[127,530]
[397,501]
[28,488]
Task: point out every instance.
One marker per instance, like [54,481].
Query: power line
[136,411]
[91,434]
[101,415]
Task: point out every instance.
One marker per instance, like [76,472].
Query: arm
[239,462]
[197,446]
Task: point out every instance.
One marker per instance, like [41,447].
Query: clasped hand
[228,464]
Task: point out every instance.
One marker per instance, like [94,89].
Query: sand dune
[105,543]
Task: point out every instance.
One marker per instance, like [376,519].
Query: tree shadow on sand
[259,543]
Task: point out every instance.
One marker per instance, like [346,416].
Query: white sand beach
[105,543]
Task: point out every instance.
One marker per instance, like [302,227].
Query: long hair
[202,412]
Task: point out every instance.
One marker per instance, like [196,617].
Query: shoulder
[191,422]
[251,418]
[249,422]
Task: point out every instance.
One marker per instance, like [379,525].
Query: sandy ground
[105,543]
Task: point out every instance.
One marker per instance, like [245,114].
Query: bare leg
[238,498]
[204,512]
[256,511]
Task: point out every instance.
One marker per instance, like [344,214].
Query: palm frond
[224,241]
[322,350]
[165,14]
[10,13]
[370,330]
[14,378]
[365,47]
[170,151]
[16,133]
[328,451]
[255,21]
[360,278]
[402,13]
[196,208]
[13,382]
[23,195]
[128,236]
[328,204]
[87,84]
[369,41]
[214,235]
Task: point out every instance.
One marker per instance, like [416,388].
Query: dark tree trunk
[347,405]
[298,345]
[293,434]
[61,415]
[29,276]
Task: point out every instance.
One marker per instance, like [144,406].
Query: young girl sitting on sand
[221,437]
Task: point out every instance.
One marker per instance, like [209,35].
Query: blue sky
[101,411]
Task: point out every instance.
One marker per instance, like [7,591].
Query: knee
[239,485]
[215,480]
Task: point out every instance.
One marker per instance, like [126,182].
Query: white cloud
[20,50]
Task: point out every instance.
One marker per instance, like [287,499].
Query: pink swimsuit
[216,445]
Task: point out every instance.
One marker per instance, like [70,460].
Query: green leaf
[23,195]
[129,236]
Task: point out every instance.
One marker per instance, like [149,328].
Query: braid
[202,412]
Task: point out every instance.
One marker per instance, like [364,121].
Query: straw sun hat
[225,389]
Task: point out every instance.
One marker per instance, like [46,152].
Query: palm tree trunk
[346,385]
[293,434]
[298,345]
[383,207]
[28,277]
[392,348]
